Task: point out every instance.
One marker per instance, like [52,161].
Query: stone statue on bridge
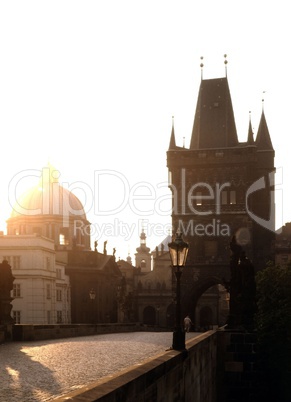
[6,285]
[242,289]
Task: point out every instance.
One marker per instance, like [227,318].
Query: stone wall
[169,377]
[238,378]
[27,332]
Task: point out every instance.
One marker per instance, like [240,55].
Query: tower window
[224,197]
[199,198]
[233,197]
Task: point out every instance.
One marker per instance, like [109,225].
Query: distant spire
[143,246]
[225,63]
[201,66]
[250,133]
[128,258]
[172,140]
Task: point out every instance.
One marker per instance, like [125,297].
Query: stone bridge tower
[221,187]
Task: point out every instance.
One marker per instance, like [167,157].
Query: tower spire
[250,132]
[263,140]
[172,140]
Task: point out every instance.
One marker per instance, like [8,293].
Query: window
[17,317]
[59,317]
[64,236]
[58,273]
[169,177]
[48,291]
[199,198]
[16,290]
[232,197]
[48,314]
[224,197]
[16,262]
[48,263]
[59,294]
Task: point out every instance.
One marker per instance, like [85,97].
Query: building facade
[41,289]
[58,278]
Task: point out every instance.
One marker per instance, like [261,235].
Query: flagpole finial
[225,63]
[201,66]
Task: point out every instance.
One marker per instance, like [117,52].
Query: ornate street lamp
[178,252]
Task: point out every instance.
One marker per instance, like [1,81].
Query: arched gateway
[204,294]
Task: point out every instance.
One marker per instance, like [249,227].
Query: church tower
[222,187]
[143,255]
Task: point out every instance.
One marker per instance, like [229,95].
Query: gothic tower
[222,187]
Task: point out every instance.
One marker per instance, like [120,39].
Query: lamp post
[92,295]
[178,253]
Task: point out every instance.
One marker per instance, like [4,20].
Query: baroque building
[58,278]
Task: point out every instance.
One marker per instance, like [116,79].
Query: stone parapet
[30,332]
[186,376]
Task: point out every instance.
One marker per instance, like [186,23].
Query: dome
[48,198]
[52,211]
[51,199]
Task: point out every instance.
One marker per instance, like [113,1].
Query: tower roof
[172,140]
[250,134]
[214,124]
[263,140]
[143,247]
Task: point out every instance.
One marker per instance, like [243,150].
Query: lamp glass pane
[174,256]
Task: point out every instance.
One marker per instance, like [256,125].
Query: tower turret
[143,256]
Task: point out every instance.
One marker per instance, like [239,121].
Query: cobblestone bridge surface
[44,370]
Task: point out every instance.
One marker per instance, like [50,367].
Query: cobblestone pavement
[43,370]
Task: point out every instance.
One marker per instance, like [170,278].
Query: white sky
[93,85]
